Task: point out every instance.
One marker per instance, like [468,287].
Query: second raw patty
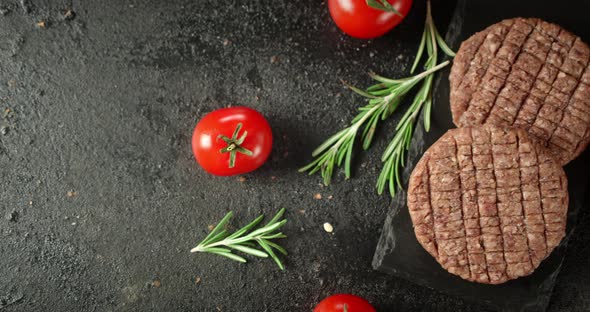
[529,74]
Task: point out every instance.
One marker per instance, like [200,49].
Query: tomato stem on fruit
[234,145]
[383,5]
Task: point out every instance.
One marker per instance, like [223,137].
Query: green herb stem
[384,98]
[243,242]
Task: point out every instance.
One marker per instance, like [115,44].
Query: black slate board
[398,251]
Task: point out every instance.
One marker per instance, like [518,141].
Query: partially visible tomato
[344,303]
[232,141]
[359,20]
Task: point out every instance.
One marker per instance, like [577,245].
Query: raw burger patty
[488,203]
[529,74]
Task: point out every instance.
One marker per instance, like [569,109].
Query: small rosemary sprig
[245,242]
[383,100]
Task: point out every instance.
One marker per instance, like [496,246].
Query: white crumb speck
[328,227]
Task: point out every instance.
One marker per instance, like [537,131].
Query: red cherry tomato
[232,140]
[344,303]
[359,20]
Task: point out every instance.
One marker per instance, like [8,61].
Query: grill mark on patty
[432,211]
[520,121]
[499,216]
[480,235]
[474,113]
[485,67]
[541,203]
[544,103]
[468,59]
[543,61]
[526,230]
[564,110]
[461,208]
[510,72]
[528,214]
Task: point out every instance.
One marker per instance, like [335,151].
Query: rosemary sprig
[394,156]
[383,100]
[245,242]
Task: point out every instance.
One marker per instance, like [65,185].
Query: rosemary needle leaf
[419,53]
[231,256]
[217,237]
[273,236]
[359,91]
[216,250]
[266,247]
[277,247]
[443,45]
[246,228]
[268,228]
[276,217]
[376,88]
[385,80]
[329,142]
[219,226]
[249,250]
[348,158]
[219,241]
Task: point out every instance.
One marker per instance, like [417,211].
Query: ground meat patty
[529,74]
[488,203]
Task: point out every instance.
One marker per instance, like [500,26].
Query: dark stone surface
[97,163]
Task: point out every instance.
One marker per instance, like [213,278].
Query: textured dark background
[100,195]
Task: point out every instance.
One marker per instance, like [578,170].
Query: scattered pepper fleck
[328,227]
[12,216]
[197,280]
[274,59]
[69,15]
[242,179]
[156,283]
